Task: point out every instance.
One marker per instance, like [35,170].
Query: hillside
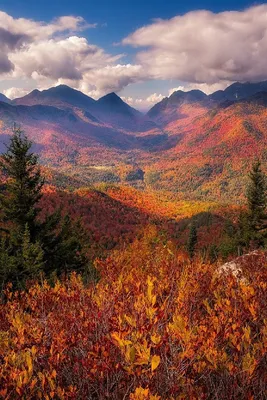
[109,110]
[4,99]
[214,150]
[196,144]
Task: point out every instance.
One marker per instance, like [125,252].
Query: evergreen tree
[23,191]
[32,256]
[7,263]
[192,240]
[257,202]
[30,246]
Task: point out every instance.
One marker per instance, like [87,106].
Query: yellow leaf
[130,321]
[130,354]
[155,361]
[155,339]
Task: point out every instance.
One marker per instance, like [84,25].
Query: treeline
[33,243]
[246,234]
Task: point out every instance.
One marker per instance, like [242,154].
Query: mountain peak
[61,96]
[111,98]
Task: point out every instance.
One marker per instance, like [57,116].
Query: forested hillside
[113,291]
[190,143]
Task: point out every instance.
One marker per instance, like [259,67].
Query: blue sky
[136,76]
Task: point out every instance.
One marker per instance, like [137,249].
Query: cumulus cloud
[144,103]
[38,30]
[200,49]
[204,47]
[204,87]
[53,53]
[14,92]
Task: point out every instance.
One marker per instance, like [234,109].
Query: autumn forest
[133,259]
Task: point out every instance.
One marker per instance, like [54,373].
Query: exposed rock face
[238,266]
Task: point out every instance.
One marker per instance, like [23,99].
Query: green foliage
[32,256]
[257,202]
[30,246]
[24,185]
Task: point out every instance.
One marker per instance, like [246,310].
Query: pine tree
[192,240]
[32,256]
[24,185]
[30,246]
[257,202]
[8,266]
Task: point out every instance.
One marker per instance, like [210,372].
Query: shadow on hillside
[111,224]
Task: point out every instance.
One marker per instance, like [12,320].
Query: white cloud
[204,47]
[200,49]
[204,87]
[52,53]
[144,103]
[14,92]
[38,30]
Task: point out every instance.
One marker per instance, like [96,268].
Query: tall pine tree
[19,201]
[29,245]
[257,203]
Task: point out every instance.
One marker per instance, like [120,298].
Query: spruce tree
[24,185]
[29,245]
[257,202]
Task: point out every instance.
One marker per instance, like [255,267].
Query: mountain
[110,109]
[180,105]
[173,107]
[113,110]
[61,96]
[66,137]
[238,91]
[190,143]
[214,151]
[4,99]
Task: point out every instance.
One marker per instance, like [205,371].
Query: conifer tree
[28,245]
[19,201]
[257,203]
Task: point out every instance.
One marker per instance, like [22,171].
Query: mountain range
[190,142]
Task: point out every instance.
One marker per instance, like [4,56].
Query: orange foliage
[155,327]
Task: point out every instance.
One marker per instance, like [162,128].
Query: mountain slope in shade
[113,110]
[238,91]
[65,139]
[173,107]
[4,99]
[59,96]
[110,109]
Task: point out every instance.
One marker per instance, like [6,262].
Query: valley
[190,143]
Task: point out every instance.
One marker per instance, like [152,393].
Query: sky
[142,50]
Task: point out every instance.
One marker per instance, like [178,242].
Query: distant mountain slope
[4,98]
[65,138]
[204,147]
[110,109]
[215,150]
[172,108]
[59,96]
[238,91]
[113,110]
